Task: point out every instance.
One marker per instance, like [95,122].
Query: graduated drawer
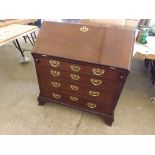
[105,84]
[70,87]
[81,67]
[77,101]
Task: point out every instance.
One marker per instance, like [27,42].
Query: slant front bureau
[83,66]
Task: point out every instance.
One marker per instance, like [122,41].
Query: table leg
[33,38]
[34,35]
[17,45]
[25,39]
[31,41]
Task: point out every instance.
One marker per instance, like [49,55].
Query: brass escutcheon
[56,84]
[94,93]
[98,71]
[91,105]
[56,96]
[75,68]
[73,87]
[73,98]
[54,63]
[55,73]
[96,82]
[84,29]
[75,76]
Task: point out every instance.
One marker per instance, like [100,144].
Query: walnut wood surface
[108,86]
[83,91]
[101,45]
[86,68]
[110,89]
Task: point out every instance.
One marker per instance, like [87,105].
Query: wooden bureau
[83,66]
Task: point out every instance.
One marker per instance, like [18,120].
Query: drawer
[95,70]
[77,101]
[104,84]
[75,88]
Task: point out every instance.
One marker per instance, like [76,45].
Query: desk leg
[17,45]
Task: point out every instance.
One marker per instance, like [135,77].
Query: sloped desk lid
[100,45]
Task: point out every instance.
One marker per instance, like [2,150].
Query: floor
[20,113]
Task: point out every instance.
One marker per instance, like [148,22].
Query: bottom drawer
[77,101]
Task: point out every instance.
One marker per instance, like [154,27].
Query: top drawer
[86,68]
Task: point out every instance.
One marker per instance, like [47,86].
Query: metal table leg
[32,43]
[17,45]
[25,39]
[33,37]
[34,33]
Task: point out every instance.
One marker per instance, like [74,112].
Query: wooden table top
[12,32]
[145,51]
[16,21]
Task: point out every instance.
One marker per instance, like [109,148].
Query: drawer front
[77,101]
[105,84]
[94,70]
[75,88]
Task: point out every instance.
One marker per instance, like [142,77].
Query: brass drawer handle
[73,87]
[84,29]
[56,96]
[72,98]
[75,76]
[91,105]
[56,84]
[98,71]
[55,73]
[75,68]
[94,93]
[96,82]
[54,63]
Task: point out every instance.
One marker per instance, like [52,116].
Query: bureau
[83,66]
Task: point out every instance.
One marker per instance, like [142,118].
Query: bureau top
[100,45]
